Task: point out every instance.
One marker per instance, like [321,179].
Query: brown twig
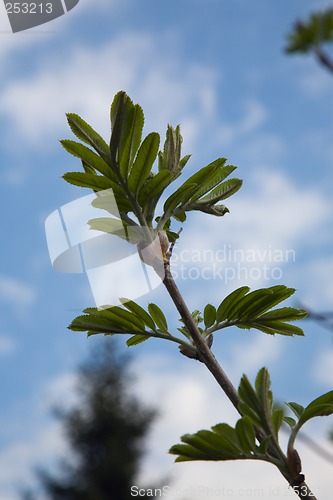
[206,356]
[204,352]
[323,58]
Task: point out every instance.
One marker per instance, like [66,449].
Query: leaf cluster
[241,308]
[252,435]
[125,165]
[131,319]
[319,407]
[308,35]
[256,434]
[246,310]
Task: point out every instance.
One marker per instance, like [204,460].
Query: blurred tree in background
[314,36]
[105,430]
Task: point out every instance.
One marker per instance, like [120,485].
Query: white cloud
[183,392]
[19,458]
[315,84]
[272,224]
[7,344]
[249,354]
[43,443]
[59,390]
[318,289]
[322,369]
[254,114]
[86,80]
[16,293]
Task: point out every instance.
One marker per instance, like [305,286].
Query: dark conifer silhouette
[105,430]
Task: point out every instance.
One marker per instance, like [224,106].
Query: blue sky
[217,68]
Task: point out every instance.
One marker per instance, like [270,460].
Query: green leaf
[119,318]
[250,413]
[124,318]
[180,216]
[203,175]
[139,311]
[108,225]
[262,386]
[263,447]
[257,402]
[259,301]
[222,191]
[154,186]
[277,419]
[114,202]
[95,324]
[208,208]
[216,172]
[209,315]
[290,421]
[296,408]
[179,197]
[204,178]
[143,162]
[222,443]
[158,316]
[92,181]
[212,445]
[319,407]
[184,161]
[247,306]
[136,339]
[274,327]
[87,134]
[246,434]
[132,234]
[225,306]
[228,438]
[122,115]
[284,314]
[187,453]
[90,158]
[248,396]
[265,398]
[127,154]
[249,310]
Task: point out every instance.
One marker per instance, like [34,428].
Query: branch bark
[206,356]
[204,352]
[323,58]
